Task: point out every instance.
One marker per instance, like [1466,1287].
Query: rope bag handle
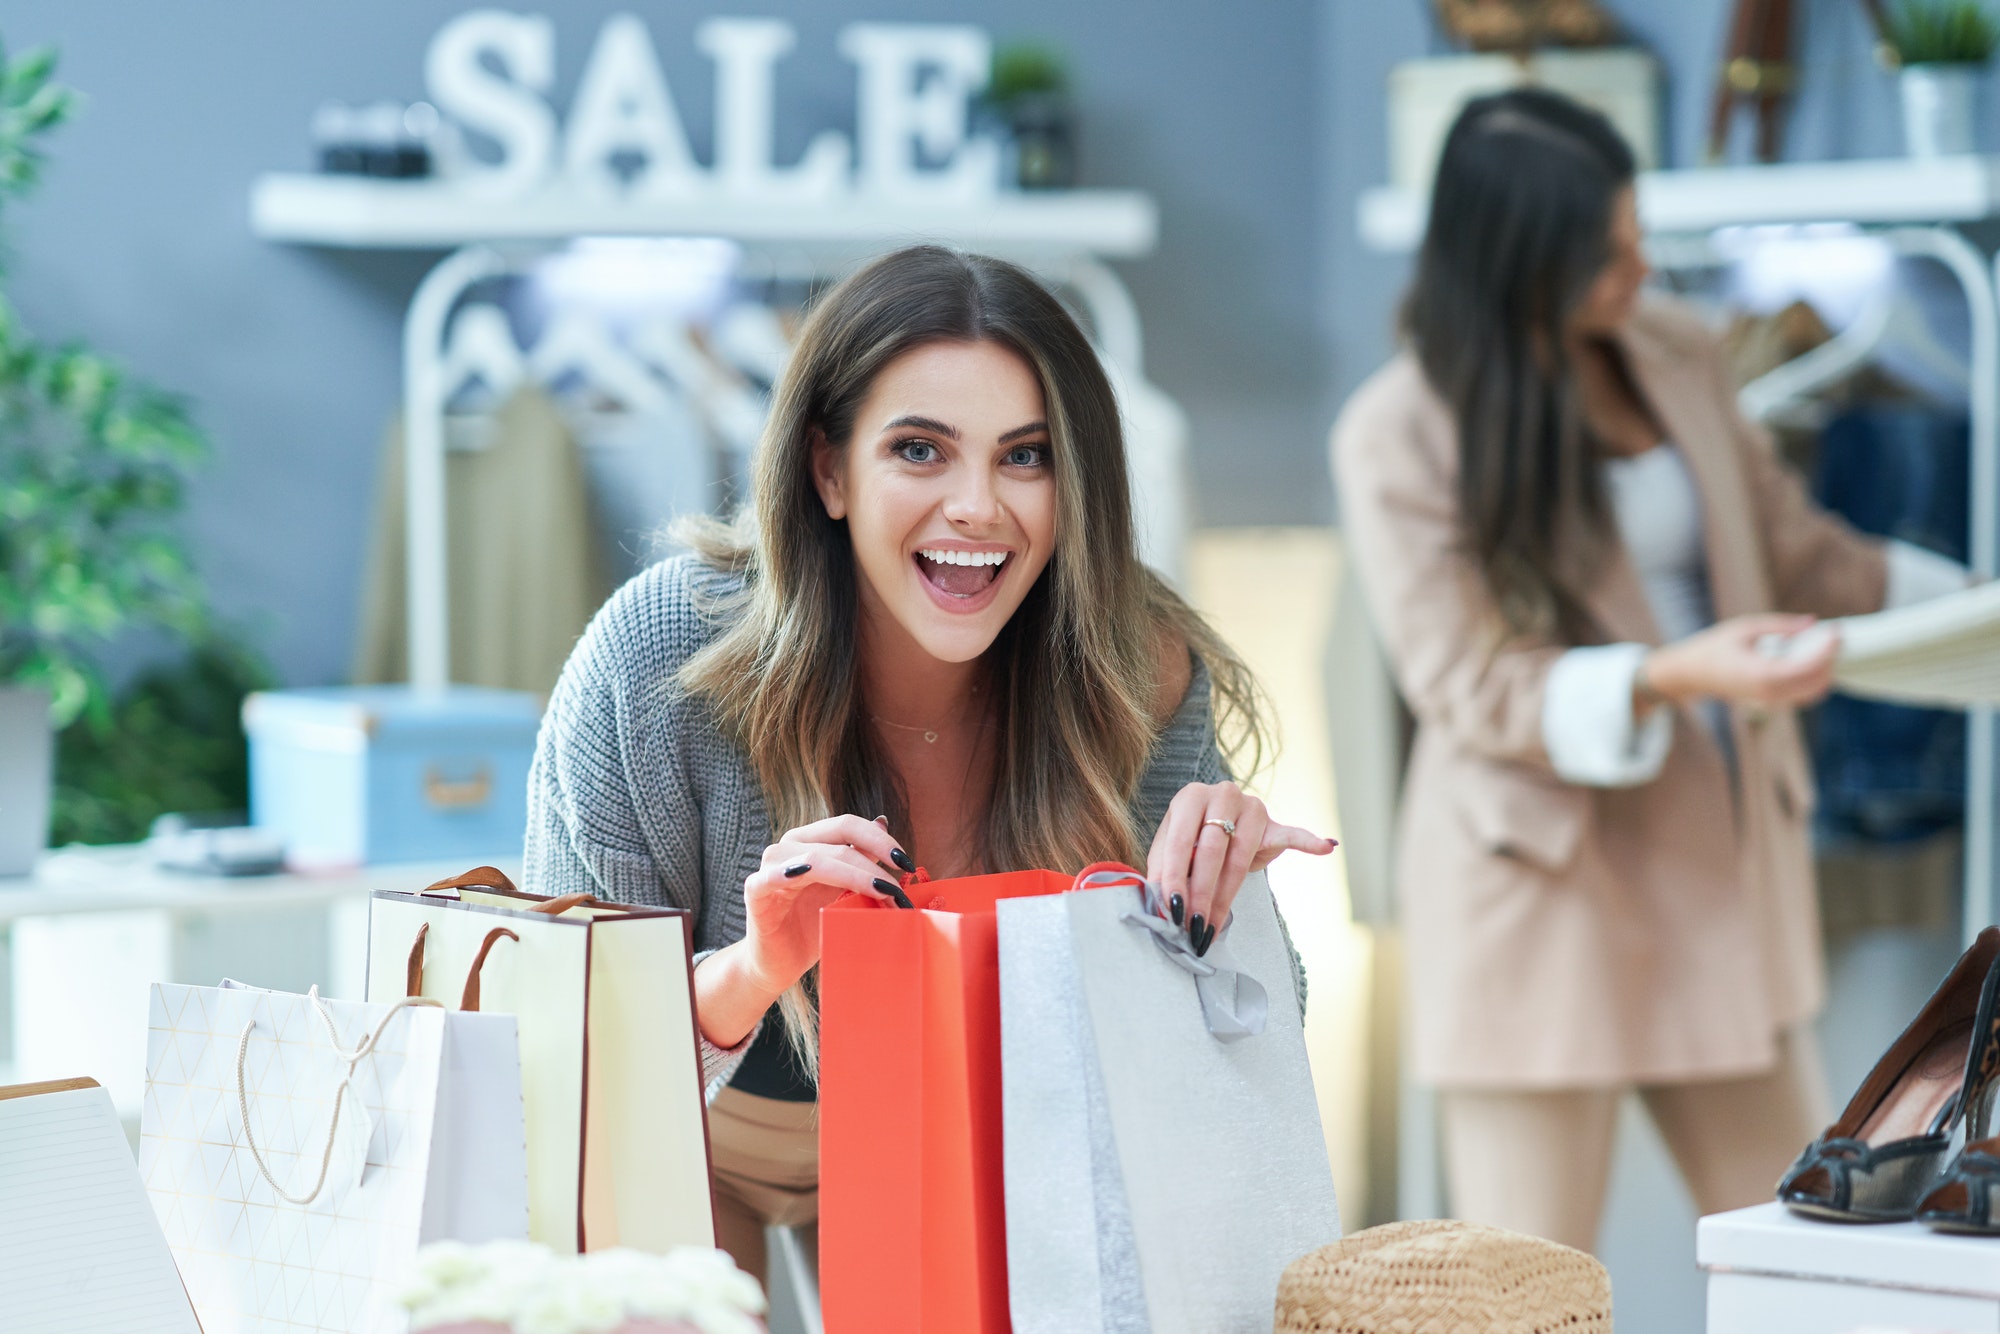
[353,1060]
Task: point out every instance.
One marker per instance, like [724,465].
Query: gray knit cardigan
[636,795]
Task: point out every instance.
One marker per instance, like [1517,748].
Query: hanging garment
[523,571]
[644,469]
[1888,773]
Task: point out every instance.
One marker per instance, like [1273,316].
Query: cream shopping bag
[298,1150]
[1164,1158]
[611,1066]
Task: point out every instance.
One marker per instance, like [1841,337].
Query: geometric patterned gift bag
[286,1143]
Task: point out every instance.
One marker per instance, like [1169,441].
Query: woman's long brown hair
[1075,675]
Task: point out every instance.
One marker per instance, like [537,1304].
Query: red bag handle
[1119,869]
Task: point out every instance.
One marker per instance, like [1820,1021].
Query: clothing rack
[1981,286]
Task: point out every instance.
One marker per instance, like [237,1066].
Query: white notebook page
[80,1247]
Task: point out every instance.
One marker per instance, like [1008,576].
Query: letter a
[623,106]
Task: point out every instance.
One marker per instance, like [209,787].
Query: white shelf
[358,212]
[1768,1239]
[1883,191]
[124,879]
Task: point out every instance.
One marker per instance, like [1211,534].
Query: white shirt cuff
[1917,575]
[1587,724]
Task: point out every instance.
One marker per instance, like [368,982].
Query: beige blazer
[1566,936]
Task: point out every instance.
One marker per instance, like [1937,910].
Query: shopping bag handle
[413,974]
[1234,1004]
[340,1092]
[493,878]
[479,877]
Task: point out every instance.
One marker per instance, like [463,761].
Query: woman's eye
[917,451]
[1027,456]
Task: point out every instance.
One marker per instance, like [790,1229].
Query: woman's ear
[826,475]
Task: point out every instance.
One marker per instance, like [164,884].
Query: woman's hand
[1200,865]
[801,873]
[1726,662]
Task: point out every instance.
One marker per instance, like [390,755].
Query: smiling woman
[932,613]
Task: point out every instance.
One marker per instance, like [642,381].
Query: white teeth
[965,557]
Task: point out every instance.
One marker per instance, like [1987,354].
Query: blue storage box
[389,774]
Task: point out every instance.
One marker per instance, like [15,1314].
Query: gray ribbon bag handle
[1234,1004]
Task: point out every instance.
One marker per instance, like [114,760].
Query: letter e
[915,83]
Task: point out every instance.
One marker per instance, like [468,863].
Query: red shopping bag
[912,1221]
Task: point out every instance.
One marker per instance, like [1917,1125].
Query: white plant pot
[1940,103]
[27,776]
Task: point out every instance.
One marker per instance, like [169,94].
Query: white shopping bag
[610,1062]
[1164,1157]
[298,1150]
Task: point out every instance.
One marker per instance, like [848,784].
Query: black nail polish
[1207,939]
[902,899]
[797,869]
[893,890]
[902,860]
[1178,907]
[1194,930]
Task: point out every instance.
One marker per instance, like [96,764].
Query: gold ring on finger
[1228,827]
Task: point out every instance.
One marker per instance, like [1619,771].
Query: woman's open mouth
[961,576]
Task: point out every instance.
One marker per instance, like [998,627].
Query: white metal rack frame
[1917,208]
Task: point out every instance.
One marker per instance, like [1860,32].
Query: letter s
[508,110]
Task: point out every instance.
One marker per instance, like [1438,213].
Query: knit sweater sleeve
[612,808]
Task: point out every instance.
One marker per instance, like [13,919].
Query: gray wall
[139,242]
[1255,126]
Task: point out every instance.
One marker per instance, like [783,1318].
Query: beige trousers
[764,1160]
[1539,1162]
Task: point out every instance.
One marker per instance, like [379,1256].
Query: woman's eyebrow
[930,424]
[1032,428]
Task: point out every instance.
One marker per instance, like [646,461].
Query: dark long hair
[1519,227]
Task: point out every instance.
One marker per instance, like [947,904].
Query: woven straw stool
[1436,1275]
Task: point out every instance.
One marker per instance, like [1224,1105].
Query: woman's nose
[973,501]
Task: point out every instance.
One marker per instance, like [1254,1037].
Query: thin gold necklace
[930,734]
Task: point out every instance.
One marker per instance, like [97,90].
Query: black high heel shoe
[1883,1155]
[1965,1199]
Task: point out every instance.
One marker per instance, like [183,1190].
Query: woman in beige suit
[1572,544]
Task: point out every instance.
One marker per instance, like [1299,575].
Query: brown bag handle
[469,999]
[413,972]
[413,977]
[492,877]
[479,877]
[556,907]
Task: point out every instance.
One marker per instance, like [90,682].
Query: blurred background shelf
[1869,192]
[310,209]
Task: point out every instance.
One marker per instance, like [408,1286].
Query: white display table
[94,928]
[1769,1270]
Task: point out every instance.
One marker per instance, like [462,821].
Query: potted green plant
[1940,49]
[93,464]
[1027,97]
